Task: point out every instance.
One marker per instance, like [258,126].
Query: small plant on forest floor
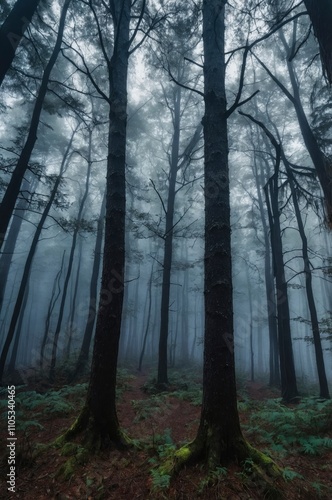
[164,446]
[214,479]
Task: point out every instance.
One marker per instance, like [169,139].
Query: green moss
[183,453]
[67,470]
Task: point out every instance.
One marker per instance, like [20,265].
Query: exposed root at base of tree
[259,467]
[94,439]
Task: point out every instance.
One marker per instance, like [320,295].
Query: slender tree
[13,188]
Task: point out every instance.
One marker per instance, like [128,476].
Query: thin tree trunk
[89,327]
[53,300]
[269,288]
[13,356]
[162,379]
[287,368]
[149,299]
[13,188]
[10,243]
[70,265]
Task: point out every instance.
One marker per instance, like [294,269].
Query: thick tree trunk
[13,188]
[219,431]
[98,419]
[12,31]
[219,438]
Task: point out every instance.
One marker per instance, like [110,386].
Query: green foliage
[214,478]
[289,474]
[159,481]
[296,429]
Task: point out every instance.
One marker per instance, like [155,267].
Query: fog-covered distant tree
[12,31]
[28,264]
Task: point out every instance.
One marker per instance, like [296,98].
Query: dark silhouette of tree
[27,189]
[98,419]
[13,188]
[219,438]
[320,14]
[324,389]
[12,31]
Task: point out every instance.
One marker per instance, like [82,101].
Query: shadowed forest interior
[165,249]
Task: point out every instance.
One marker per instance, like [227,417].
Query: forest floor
[298,437]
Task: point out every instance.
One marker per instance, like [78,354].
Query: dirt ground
[160,424]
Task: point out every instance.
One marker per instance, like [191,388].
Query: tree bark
[98,419]
[12,31]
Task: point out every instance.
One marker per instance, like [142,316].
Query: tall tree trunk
[323,385]
[321,17]
[287,368]
[13,356]
[162,379]
[71,320]
[98,418]
[90,323]
[12,31]
[13,188]
[274,379]
[219,438]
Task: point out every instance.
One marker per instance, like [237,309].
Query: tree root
[94,440]
[257,466]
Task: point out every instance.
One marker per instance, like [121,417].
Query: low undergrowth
[298,437]
[299,429]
